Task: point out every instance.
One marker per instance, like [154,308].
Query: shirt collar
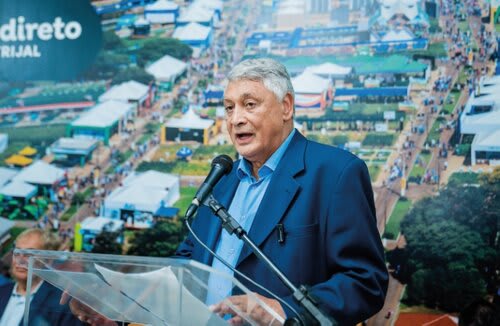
[17,294]
[245,168]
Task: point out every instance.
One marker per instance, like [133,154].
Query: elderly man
[44,307]
[308,206]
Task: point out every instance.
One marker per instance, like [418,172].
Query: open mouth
[243,136]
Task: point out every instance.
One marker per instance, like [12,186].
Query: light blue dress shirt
[243,208]
[14,311]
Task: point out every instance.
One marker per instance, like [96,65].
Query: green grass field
[373,170]
[68,214]
[450,107]
[434,133]
[464,178]
[37,136]
[392,228]
[187,194]
[419,170]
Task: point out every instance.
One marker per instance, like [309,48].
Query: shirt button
[231,251]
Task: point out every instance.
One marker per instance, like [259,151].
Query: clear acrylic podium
[136,290]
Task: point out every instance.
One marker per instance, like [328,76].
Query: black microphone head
[225,161]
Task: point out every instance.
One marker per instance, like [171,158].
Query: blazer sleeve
[355,259]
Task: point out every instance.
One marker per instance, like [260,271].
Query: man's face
[32,241]
[256,120]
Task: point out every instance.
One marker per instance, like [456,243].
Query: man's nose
[238,116]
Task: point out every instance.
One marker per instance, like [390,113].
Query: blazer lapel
[38,302]
[5,293]
[279,194]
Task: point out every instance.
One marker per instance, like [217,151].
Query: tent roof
[28,151]
[329,68]
[152,179]
[97,224]
[488,139]
[19,160]
[310,83]
[362,64]
[162,5]
[80,144]
[142,21]
[5,226]
[210,4]
[488,118]
[141,196]
[41,173]
[144,191]
[104,114]
[190,120]
[398,35]
[18,189]
[191,31]
[6,175]
[130,90]
[196,14]
[166,68]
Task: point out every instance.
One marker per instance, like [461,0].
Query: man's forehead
[243,89]
[28,240]
[244,95]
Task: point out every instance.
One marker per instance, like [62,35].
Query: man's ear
[288,106]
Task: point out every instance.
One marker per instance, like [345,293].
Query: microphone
[221,165]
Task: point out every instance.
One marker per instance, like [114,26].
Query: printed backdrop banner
[47,39]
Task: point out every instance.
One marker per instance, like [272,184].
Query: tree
[105,243]
[78,198]
[106,65]
[111,41]
[452,255]
[154,49]
[133,73]
[159,241]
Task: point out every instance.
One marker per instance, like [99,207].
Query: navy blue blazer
[45,309]
[323,197]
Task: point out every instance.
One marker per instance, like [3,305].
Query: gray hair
[270,72]
[50,240]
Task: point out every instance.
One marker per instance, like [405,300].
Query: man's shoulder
[7,286]
[328,153]
[6,289]
[47,288]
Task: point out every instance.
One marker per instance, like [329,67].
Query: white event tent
[162,12]
[40,173]
[131,91]
[166,70]
[311,91]
[141,195]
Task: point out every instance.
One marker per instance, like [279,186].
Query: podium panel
[130,289]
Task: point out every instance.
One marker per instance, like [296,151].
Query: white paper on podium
[91,290]
[160,293]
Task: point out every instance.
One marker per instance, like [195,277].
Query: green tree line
[452,255]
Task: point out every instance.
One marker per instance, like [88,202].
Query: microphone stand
[314,315]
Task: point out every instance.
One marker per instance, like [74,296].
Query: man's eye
[229,109]
[250,104]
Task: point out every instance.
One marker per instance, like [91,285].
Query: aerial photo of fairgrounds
[110,160]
